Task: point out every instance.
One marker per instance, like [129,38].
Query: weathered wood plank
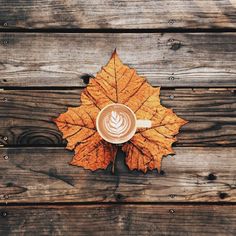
[26,116]
[168,60]
[119,220]
[44,175]
[125,14]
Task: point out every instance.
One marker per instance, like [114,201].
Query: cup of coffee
[116,123]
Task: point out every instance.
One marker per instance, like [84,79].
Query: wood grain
[44,175]
[168,60]
[119,220]
[26,116]
[124,14]
[52,68]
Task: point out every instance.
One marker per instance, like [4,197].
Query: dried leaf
[117,83]
[78,128]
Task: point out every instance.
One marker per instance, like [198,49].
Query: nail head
[172,211]
[4,214]
[171,22]
[171,78]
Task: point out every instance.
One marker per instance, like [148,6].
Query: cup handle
[143,123]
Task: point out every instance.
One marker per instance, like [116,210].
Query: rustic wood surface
[168,60]
[43,175]
[26,116]
[119,220]
[48,51]
[123,14]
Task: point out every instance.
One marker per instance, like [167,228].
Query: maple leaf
[117,83]
[78,128]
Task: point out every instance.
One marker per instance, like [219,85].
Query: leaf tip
[114,53]
[72,162]
[185,121]
[55,120]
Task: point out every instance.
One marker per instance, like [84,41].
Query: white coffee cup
[116,123]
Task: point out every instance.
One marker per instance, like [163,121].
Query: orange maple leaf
[117,83]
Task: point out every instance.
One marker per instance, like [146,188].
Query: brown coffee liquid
[116,123]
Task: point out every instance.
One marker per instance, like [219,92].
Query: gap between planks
[118,31]
[65,204]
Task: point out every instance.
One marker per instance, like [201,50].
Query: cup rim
[131,133]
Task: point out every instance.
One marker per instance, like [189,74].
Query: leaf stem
[113,165]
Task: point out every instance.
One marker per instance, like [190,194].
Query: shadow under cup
[116,123]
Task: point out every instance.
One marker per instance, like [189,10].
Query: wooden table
[48,49]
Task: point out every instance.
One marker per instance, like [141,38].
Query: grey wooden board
[168,60]
[124,14]
[119,220]
[44,175]
[26,116]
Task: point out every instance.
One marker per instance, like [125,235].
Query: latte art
[117,123]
